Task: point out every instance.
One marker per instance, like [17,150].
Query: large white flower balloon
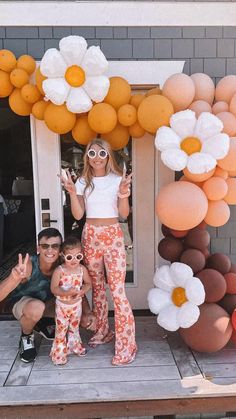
[176,297]
[193,143]
[75,74]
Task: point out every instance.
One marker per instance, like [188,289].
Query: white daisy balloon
[193,143]
[176,297]
[75,74]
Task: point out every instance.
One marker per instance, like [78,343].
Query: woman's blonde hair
[111,166]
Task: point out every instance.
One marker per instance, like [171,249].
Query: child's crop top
[102,201]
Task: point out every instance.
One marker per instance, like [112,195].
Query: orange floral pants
[67,338]
[104,249]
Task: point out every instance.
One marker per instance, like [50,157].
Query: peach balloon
[181,205]
[221,173]
[154,111]
[220,107]
[180,90]
[232,105]
[230,197]
[215,188]
[200,106]
[232,173]
[204,87]
[229,161]
[218,213]
[189,180]
[225,89]
[198,178]
[229,121]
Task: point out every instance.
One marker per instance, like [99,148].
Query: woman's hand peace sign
[68,183]
[19,272]
[124,188]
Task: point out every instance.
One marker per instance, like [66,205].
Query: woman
[102,192]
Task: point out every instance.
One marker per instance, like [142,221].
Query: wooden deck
[165,379]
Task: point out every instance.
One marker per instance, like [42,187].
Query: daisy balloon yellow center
[191,145]
[75,76]
[179,296]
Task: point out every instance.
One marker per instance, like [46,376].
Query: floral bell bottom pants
[103,247]
[67,337]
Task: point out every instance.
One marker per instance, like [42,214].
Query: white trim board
[116,13]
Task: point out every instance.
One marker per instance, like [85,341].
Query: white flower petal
[52,64]
[183,123]
[195,291]
[78,101]
[180,273]
[97,87]
[167,318]
[217,146]
[166,138]
[73,49]
[174,159]
[188,314]
[207,126]
[94,62]
[158,299]
[201,163]
[162,278]
[56,90]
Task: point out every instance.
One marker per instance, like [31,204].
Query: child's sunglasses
[70,257]
[91,153]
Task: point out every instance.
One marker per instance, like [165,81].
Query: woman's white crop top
[102,201]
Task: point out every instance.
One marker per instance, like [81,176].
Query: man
[32,299]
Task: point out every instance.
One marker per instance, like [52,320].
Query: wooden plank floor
[165,379]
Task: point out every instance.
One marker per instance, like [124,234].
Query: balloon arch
[194,124]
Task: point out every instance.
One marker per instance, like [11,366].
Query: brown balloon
[233,268]
[214,284]
[211,332]
[197,238]
[230,279]
[193,258]
[170,249]
[165,230]
[228,303]
[219,262]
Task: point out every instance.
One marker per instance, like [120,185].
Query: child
[102,192]
[70,282]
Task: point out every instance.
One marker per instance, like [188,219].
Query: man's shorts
[18,307]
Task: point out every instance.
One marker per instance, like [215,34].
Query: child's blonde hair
[111,166]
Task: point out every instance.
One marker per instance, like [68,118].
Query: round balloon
[82,132]
[7,60]
[230,279]
[27,63]
[119,92]
[228,303]
[229,121]
[127,115]
[218,213]
[178,233]
[181,205]
[154,111]
[199,106]
[230,197]
[19,77]
[220,107]
[59,119]
[232,105]
[180,90]
[228,162]
[6,87]
[18,104]
[233,321]
[198,178]
[30,93]
[39,78]
[225,89]
[136,131]
[154,91]
[215,188]
[193,258]
[221,173]
[214,284]
[197,238]
[136,99]
[118,138]
[204,87]
[39,108]
[102,118]
[211,332]
[219,262]
[170,249]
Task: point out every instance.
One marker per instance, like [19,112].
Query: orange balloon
[198,178]
[5,84]
[181,205]
[27,63]
[229,162]
[221,173]
[39,78]
[232,104]
[136,99]
[127,115]
[204,87]
[189,180]
[218,213]
[19,77]
[215,188]
[39,108]
[229,121]
[118,138]
[220,107]
[136,131]
[102,118]
[18,104]
[153,112]
[119,92]
[30,93]
[232,173]
[58,119]
[180,90]
[154,91]
[200,106]
[230,197]
[82,133]
[225,88]
[7,60]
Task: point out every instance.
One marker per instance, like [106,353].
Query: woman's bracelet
[125,195]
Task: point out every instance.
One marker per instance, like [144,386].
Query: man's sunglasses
[70,257]
[91,153]
[54,246]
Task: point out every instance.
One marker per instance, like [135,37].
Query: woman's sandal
[131,359]
[93,343]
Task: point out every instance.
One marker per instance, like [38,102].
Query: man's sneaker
[27,348]
[46,328]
